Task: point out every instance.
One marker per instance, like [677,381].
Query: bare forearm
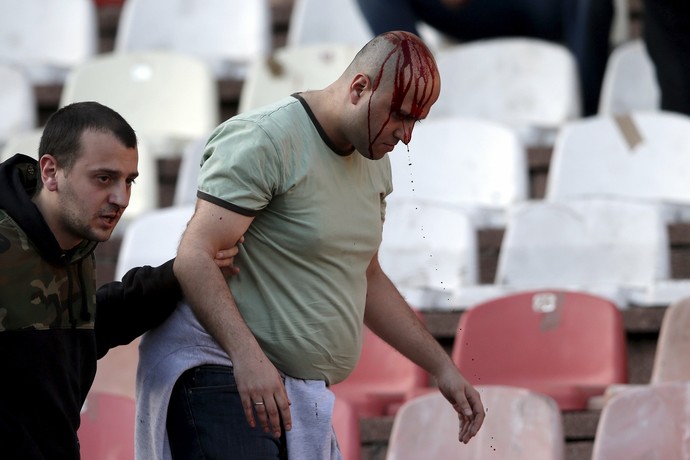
[388,315]
[207,293]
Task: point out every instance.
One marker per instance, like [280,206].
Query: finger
[283,405]
[248,408]
[260,406]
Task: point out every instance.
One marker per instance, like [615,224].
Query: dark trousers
[206,420]
[667,37]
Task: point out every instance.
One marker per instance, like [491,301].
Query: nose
[404,131]
[120,194]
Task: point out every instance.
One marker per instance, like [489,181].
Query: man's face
[396,103]
[94,192]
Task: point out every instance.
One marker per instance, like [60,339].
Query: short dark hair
[62,133]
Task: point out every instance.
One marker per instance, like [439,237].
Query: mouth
[111,219]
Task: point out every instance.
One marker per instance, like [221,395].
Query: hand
[225,259]
[466,402]
[262,392]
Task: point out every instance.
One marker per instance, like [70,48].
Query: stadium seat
[48,38]
[141,246]
[428,251]
[17,103]
[529,84]
[25,142]
[382,380]
[335,21]
[107,427]
[473,164]
[642,157]
[346,426]
[117,371]
[292,69]
[519,425]
[607,247]
[188,173]
[226,34]
[169,99]
[670,359]
[629,83]
[649,422]
[566,344]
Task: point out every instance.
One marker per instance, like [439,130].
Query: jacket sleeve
[126,309]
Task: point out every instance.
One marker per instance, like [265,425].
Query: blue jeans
[206,420]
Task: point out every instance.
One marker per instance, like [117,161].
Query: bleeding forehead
[415,78]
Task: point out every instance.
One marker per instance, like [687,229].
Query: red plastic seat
[645,423]
[520,425]
[568,345]
[382,380]
[346,426]
[107,427]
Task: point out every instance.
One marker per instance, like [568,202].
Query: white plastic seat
[226,34]
[604,247]
[649,422]
[519,425]
[428,251]
[644,156]
[630,82]
[26,142]
[188,173]
[477,165]
[335,21]
[532,85]
[17,103]
[169,99]
[141,246]
[48,38]
[294,68]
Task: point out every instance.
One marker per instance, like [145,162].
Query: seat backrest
[335,21]
[585,245]
[428,250]
[346,427]
[643,156]
[188,172]
[476,164]
[169,99]
[529,84]
[25,142]
[519,425]
[17,103]
[140,246]
[671,357]
[536,339]
[643,423]
[107,427]
[292,69]
[226,34]
[629,82]
[48,38]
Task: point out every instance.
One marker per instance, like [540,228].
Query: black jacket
[51,332]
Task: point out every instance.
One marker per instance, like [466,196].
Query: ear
[49,170]
[359,84]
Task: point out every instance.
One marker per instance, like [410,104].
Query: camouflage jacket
[51,331]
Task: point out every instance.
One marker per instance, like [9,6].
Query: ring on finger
[258,403]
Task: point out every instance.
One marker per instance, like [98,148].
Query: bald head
[401,61]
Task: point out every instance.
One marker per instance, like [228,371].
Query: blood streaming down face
[414,69]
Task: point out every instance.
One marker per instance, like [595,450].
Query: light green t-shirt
[318,222]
